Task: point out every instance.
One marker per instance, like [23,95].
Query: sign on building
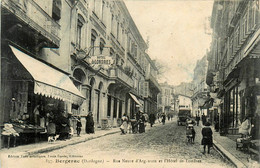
[101,61]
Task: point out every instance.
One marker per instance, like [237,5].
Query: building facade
[85,56]
[166,98]
[233,71]
[200,88]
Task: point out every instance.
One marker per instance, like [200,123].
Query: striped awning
[48,81]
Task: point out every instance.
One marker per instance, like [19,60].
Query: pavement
[223,144]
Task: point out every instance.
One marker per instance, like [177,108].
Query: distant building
[185,88]
[200,97]
[165,98]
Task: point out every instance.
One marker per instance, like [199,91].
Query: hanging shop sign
[101,61]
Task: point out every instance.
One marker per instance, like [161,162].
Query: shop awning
[135,99]
[48,81]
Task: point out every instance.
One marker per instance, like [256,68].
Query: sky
[176,33]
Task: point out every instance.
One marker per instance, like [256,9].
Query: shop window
[56,9]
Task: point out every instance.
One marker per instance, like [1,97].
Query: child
[190,132]
[79,125]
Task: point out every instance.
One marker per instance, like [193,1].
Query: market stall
[38,91]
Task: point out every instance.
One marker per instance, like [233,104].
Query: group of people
[136,125]
[161,118]
[207,134]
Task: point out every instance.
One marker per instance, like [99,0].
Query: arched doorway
[79,79]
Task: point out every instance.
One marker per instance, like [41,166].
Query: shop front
[36,95]
[241,99]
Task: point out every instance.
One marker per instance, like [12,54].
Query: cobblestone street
[160,146]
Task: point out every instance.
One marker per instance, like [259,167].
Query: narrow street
[160,146]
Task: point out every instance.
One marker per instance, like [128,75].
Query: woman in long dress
[124,125]
[90,123]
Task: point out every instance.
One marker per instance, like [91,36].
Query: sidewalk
[227,147]
[45,146]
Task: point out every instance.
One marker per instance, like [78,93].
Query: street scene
[130,83]
[165,143]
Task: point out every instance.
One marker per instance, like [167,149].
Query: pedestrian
[197,119]
[124,124]
[134,124]
[245,128]
[163,118]
[90,123]
[207,139]
[36,112]
[203,118]
[152,119]
[51,127]
[159,117]
[79,125]
[65,126]
[141,122]
[190,133]
[217,126]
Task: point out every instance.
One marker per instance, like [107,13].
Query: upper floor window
[112,24]
[94,5]
[79,31]
[117,30]
[101,46]
[103,11]
[93,40]
[56,9]
[135,52]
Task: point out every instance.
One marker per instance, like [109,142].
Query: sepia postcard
[130,83]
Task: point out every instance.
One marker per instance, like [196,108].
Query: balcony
[120,76]
[30,15]
[152,80]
